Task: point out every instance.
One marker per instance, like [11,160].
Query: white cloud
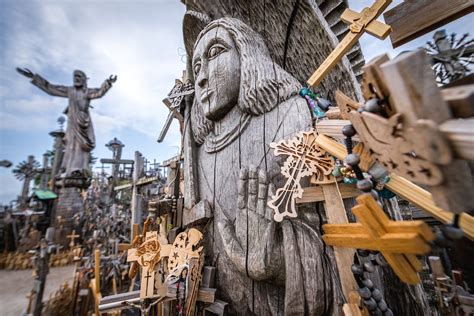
[137,40]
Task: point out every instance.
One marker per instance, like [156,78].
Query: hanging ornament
[311,99]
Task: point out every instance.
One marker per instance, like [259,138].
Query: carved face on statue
[216,67]
[79,78]
[234,79]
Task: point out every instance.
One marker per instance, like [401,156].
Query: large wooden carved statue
[244,101]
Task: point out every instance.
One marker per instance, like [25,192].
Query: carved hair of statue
[263,83]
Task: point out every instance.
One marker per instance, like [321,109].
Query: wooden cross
[173,102]
[147,255]
[73,237]
[398,241]
[359,23]
[182,250]
[305,158]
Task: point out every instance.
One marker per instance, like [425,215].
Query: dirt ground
[17,284]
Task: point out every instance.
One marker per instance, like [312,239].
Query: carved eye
[197,68]
[215,50]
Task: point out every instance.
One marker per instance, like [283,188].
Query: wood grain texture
[315,193]
[398,247]
[407,140]
[286,41]
[460,100]
[460,133]
[407,190]
[261,270]
[413,18]
[336,214]
[358,24]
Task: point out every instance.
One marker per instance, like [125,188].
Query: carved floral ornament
[305,158]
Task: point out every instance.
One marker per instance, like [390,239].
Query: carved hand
[250,242]
[25,72]
[112,79]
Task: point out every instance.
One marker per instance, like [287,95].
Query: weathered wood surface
[243,102]
[407,190]
[459,133]
[315,193]
[460,100]
[289,29]
[407,140]
[336,214]
[413,18]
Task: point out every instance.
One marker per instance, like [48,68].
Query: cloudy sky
[139,40]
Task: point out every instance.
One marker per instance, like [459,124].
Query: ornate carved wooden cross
[73,237]
[359,23]
[147,255]
[399,242]
[305,158]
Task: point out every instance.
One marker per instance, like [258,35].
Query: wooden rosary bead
[368,283]
[364,185]
[377,295]
[388,312]
[369,267]
[382,305]
[371,304]
[348,130]
[377,312]
[357,269]
[365,293]
[373,106]
[352,160]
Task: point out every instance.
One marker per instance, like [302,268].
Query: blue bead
[304,92]
[349,180]
[386,194]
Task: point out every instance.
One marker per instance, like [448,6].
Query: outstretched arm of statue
[97,93]
[252,242]
[43,84]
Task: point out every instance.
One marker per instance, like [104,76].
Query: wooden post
[136,198]
[97,270]
[336,214]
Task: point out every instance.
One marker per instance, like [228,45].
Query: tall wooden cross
[359,23]
[398,241]
[73,237]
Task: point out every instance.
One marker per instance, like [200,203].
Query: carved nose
[202,77]
[202,80]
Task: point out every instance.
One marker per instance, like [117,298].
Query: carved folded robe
[301,281]
[79,138]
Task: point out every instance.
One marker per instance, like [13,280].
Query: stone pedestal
[70,202]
